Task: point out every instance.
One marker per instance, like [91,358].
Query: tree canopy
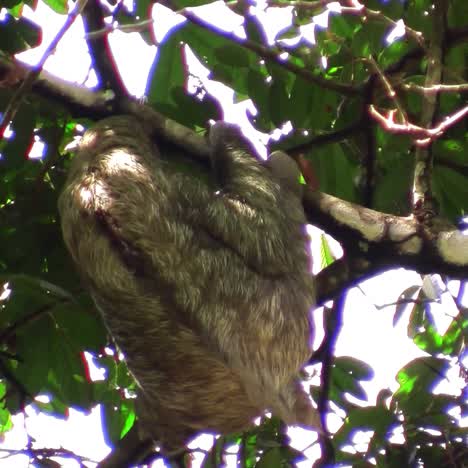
[370,98]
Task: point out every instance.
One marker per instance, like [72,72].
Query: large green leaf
[18,34]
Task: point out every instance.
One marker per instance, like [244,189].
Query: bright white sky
[386,348]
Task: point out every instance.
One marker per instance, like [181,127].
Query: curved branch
[373,241]
[271,55]
[376,241]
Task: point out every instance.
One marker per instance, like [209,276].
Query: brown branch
[370,165]
[365,12]
[128,451]
[99,49]
[18,386]
[373,241]
[9,331]
[44,454]
[139,26]
[77,99]
[333,318]
[387,86]
[269,55]
[423,136]
[423,204]
[368,177]
[436,89]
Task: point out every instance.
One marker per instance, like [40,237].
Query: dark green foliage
[48,321]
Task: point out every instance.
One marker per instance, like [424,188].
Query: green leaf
[59,6]
[393,52]
[55,407]
[81,324]
[392,191]
[369,40]
[5,416]
[334,171]
[196,112]
[48,339]
[118,417]
[450,190]
[405,300]
[277,454]
[302,97]
[258,90]
[345,376]
[417,317]
[233,55]
[343,27]
[416,19]
[375,418]
[391,8]
[16,148]
[192,3]
[271,459]
[418,377]
[325,251]
[18,35]
[10,3]
[278,103]
[167,72]
[255,30]
[457,13]
[206,44]
[360,370]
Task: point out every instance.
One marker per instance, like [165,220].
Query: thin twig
[423,205]
[358,10]
[436,89]
[22,321]
[26,85]
[271,55]
[423,136]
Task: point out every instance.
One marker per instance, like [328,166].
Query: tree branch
[129,450]
[99,49]
[423,204]
[270,55]
[373,241]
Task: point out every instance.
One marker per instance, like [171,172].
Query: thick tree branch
[99,49]
[376,241]
[78,100]
[373,241]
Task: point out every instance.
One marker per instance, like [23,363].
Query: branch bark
[373,241]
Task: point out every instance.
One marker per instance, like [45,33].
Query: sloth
[204,285]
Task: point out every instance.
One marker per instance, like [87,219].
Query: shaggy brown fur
[207,293]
